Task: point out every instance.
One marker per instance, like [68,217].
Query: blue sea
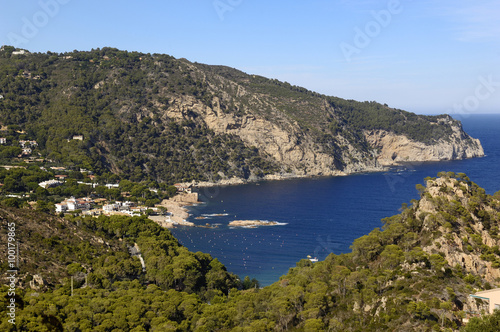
[319,216]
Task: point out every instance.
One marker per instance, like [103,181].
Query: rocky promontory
[392,149]
[171,120]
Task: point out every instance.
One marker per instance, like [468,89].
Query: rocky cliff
[295,130]
[467,225]
[154,117]
[392,149]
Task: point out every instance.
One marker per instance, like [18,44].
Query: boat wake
[215,214]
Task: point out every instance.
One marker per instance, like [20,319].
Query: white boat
[314,260]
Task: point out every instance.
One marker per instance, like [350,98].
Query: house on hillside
[26,152]
[183,187]
[492,296]
[78,137]
[28,144]
[19,52]
[50,184]
[3,140]
[73,204]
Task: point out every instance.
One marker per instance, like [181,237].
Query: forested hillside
[414,274]
[154,117]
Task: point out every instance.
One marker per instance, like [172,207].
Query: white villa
[27,144]
[73,204]
[50,183]
[492,296]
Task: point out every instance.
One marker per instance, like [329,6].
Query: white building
[73,204]
[110,207]
[61,207]
[492,296]
[27,144]
[3,140]
[50,184]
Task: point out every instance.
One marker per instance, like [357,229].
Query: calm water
[322,215]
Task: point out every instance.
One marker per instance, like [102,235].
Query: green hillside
[144,116]
[407,276]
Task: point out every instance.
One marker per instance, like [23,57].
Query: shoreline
[283,177]
[177,209]
[177,205]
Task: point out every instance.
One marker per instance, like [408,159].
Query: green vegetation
[143,116]
[140,120]
[404,276]
[116,100]
[22,182]
[489,323]
[373,116]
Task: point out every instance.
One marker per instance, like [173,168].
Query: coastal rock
[279,140]
[176,208]
[398,149]
[252,223]
[189,198]
[285,142]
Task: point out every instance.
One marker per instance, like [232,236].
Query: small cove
[318,216]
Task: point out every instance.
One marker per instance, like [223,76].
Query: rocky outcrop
[37,282]
[281,142]
[173,120]
[251,223]
[463,243]
[395,149]
[299,154]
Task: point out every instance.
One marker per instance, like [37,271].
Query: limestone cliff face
[299,154]
[306,135]
[282,140]
[172,120]
[395,149]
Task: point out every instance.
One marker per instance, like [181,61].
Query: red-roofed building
[183,187]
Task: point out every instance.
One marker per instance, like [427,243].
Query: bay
[319,216]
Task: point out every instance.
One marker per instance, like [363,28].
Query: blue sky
[422,56]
